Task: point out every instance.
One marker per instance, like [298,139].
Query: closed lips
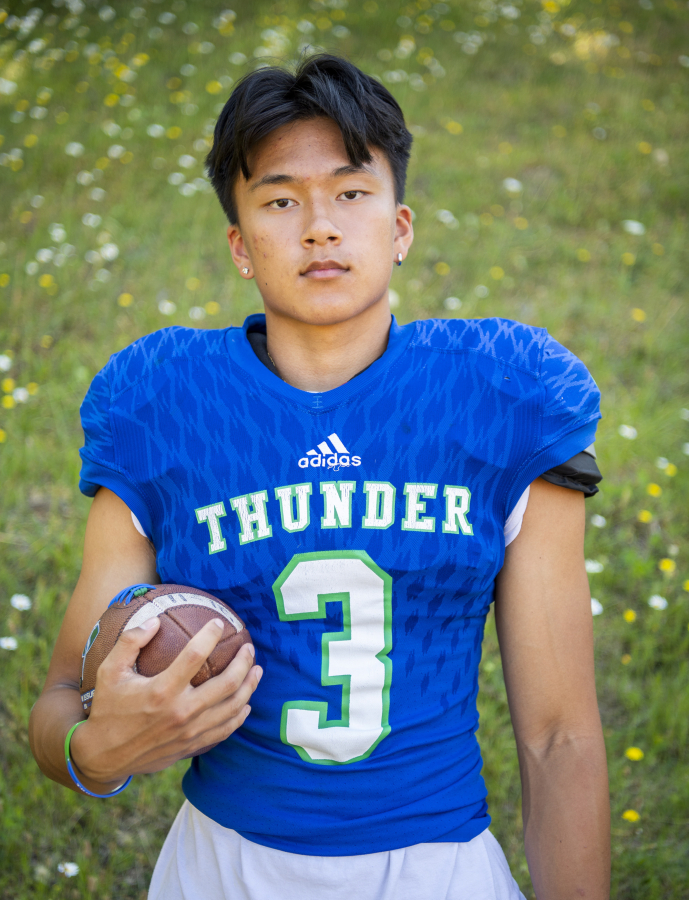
[324,268]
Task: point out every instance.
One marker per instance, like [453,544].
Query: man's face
[319,235]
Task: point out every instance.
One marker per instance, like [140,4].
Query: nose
[320,230]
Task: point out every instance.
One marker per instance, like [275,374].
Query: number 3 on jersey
[356,657]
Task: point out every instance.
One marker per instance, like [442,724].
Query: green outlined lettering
[457,505]
[211,516]
[302,493]
[254,523]
[355,658]
[337,503]
[415,507]
[380,504]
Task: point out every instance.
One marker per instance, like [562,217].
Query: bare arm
[136,724]
[543,617]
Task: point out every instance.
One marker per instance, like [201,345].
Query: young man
[360,492]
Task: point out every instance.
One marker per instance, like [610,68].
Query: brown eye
[351,195]
[282,203]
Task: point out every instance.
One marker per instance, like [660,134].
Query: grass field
[550,184]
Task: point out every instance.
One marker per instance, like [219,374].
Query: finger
[207,715]
[123,655]
[227,682]
[229,706]
[220,731]
[188,662]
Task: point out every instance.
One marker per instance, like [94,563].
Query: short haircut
[322,85]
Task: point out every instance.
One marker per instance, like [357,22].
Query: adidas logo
[325,456]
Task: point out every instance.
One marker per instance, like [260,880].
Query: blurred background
[549,182]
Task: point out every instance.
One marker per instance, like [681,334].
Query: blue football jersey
[358,533]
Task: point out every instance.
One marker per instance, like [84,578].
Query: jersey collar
[242,353]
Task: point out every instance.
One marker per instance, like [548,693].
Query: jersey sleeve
[566,421]
[99,457]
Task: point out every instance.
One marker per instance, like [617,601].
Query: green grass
[530,106]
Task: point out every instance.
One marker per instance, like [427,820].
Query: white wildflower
[112,129]
[70,869]
[74,148]
[109,251]
[57,232]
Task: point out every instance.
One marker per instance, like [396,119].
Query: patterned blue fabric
[184,420]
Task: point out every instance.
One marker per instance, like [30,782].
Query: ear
[404,231]
[238,249]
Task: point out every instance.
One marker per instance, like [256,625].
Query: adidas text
[328,458]
[331,462]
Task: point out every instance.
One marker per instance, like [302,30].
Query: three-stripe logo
[325,456]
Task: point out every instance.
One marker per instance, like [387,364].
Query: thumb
[127,646]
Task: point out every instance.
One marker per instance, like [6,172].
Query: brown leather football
[182,611]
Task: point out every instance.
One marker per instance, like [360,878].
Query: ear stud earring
[399,259]
[245,271]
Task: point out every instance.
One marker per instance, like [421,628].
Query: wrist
[85,767]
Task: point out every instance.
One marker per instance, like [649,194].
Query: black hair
[322,85]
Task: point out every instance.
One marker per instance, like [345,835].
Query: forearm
[56,710]
[566,814]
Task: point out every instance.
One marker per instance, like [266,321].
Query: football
[182,611]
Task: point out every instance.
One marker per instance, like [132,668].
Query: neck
[320,358]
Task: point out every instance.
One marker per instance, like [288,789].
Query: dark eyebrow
[351,170]
[290,179]
[274,179]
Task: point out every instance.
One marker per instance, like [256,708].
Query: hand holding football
[182,612]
